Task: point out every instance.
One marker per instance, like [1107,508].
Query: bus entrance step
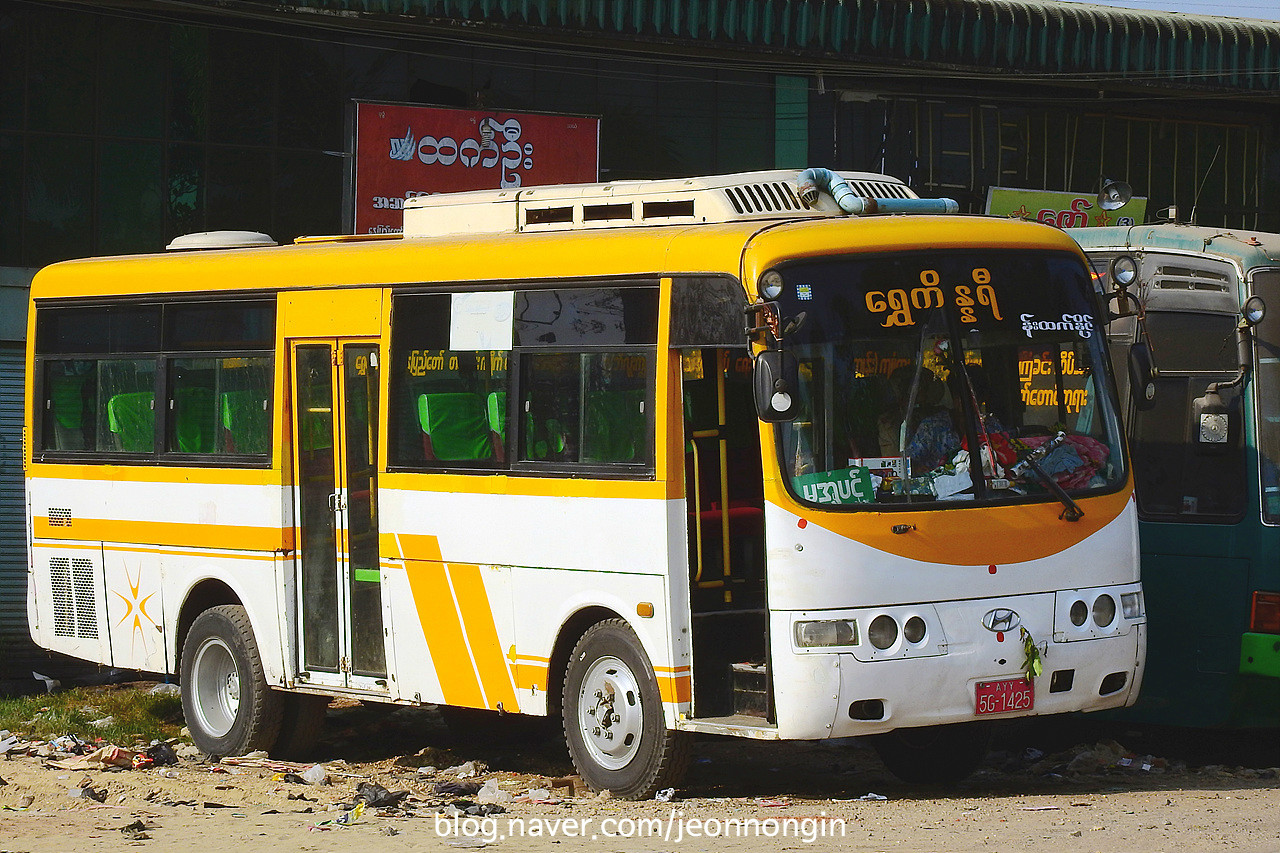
[750,690]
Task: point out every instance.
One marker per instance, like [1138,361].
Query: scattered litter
[1032,754]
[666,795]
[463,771]
[377,796]
[460,789]
[491,793]
[390,830]
[427,770]
[872,796]
[166,689]
[100,759]
[103,722]
[7,742]
[777,804]
[315,775]
[88,793]
[50,684]
[161,754]
[136,831]
[1038,808]
[344,819]
[469,841]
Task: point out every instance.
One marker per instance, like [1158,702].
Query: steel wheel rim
[610,713]
[216,685]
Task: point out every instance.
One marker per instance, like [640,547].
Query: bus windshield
[910,361]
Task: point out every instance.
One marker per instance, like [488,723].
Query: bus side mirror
[1142,376]
[777,381]
[1123,272]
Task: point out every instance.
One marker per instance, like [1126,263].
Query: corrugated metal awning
[980,37]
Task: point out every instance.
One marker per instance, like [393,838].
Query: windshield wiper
[1031,459]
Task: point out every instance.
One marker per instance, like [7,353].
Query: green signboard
[1065,210]
[846,486]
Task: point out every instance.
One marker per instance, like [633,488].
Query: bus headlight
[1131,605]
[914,630]
[1104,610]
[830,632]
[883,632]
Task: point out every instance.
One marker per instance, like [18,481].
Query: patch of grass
[139,716]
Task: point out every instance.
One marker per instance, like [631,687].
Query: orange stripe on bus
[429,584]
[179,534]
[674,688]
[482,635]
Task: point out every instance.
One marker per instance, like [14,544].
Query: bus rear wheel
[229,708]
[613,720]
[934,755]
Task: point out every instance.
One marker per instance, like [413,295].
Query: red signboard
[404,151]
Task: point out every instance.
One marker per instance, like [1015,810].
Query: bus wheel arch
[614,722]
[208,593]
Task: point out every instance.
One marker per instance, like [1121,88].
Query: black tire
[301,723]
[229,707]
[934,755]
[613,719]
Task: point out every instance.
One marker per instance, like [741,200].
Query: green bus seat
[455,427]
[613,426]
[131,417]
[246,423]
[194,420]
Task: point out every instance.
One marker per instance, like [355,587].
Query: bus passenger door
[335,410]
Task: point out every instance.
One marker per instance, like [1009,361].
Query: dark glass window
[13,47]
[130,201]
[131,100]
[1190,343]
[220,325]
[58,182]
[588,317]
[104,329]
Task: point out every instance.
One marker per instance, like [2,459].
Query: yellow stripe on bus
[429,583]
[673,688]
[482,635]
[178,534]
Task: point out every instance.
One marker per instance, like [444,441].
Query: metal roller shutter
[15,641]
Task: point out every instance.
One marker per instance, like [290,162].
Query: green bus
[1205,436]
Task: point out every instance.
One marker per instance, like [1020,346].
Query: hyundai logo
[1001,619]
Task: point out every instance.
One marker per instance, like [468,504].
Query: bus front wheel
[228,706]
[613,720]
[934,755]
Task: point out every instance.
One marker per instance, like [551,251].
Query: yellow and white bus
[656,458]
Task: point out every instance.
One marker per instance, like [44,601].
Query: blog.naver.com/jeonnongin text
[673,828]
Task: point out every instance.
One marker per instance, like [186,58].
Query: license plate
[997,697]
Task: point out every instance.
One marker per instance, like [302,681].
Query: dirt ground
[1066,786]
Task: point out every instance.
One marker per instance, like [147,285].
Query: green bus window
[220,405]
[552,402]
[448,406]
[126,405]
[614,427]
[68,394]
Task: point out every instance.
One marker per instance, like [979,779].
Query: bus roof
[741,249]
[1247,249]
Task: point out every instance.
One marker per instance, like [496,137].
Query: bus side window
[68,388]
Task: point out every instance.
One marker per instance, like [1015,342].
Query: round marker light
[914,629]
[1104,610]
[781,401]
[1079,613]
[1124,270]
[1254,310]
[771,284]
[883,632]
